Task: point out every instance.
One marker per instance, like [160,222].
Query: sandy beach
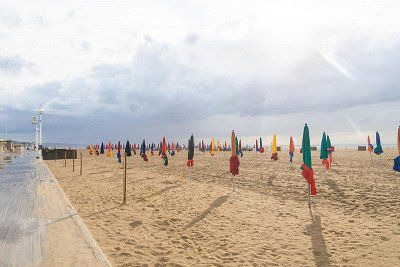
[169,220]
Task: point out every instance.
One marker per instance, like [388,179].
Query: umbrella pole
[233,184]
[309,197]
[190,173]
[370,155]
[325,172]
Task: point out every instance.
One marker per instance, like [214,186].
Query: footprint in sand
[135,224]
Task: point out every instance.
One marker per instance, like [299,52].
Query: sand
[168,220]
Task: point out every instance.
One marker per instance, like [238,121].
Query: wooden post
[55,151]
[73,161]
[65,157]
[124,197]
[80,170]
[309,196]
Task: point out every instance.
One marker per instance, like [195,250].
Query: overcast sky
[109,70]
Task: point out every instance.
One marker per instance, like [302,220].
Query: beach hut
[190,160]
[128,150]
[396,164]
[119,152]
[291,149]
[323,155]
[378,148]
[164,152]
[307,171]
[234,160]
[274,149]
[261,149]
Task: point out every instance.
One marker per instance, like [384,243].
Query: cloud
[14,64]
[191,38]
[9,17]
[204,68]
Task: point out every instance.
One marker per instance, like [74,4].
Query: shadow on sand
[314,230]
[105,210]
[215,204]
[332,184]
[162,191]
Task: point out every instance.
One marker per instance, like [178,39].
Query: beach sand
[169,220]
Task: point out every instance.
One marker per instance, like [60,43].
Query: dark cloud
[158,93]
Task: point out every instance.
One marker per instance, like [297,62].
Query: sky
[118,70]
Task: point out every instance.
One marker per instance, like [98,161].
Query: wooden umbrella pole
[233,183]
[55,151]
[73,160]
[65,158]
[124,192]
[309,196]
[80,170]
[190,173]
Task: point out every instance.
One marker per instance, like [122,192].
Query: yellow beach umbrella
[274,149]
[212,149]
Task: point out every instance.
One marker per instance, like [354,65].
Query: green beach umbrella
[328,144]
[308,172]
[306,147]
[324,147]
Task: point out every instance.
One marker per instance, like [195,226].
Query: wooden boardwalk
[38,225]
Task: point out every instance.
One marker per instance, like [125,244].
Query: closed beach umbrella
[102,148]
[212,148]
[308,172]
[274,149]
[240,148]
[396,165]
[234,160]
[128,150]
[119,151]
[331,149]
[370,146]
[324,152]
[109,148]
[378,148]
[172,149]
[143,151]
[164,152]
[261,149]
[291,149]
[257,145]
